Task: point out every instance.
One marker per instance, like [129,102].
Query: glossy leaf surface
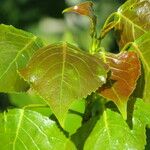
[131,21]
[16,48]
[125,71]
[21,130]
[134,20]
[62,73]
[111,132]
[142,47]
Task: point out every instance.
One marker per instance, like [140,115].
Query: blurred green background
[44,18]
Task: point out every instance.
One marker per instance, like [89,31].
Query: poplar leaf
[125,71]
[62,73]
[24,129]
[131,21]
[16,48]
[111,132]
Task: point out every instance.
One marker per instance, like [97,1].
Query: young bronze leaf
[62,73]
[142,47]
[125,70]
[131,21]
[82,9]
[86,9]
[16,48]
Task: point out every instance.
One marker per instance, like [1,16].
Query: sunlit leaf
[125,71]
[24,99]
[74,117]
[142,47]
[30,101]
[131,21]
[16,48]
[23,129]
[111,132]
[62,73]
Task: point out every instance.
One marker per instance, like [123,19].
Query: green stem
[126,47]
[96,40]
[108,20]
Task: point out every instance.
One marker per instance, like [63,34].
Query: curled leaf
[85,9]
[82,9]
[125,71]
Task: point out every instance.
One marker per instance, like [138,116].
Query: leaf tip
[85,8]
[123,110]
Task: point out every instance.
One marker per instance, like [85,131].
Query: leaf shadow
[4,102]
[53,117]
[137,93]
[139,90]
[92,114]
[147,147]
[130,110]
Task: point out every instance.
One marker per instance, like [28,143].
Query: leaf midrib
[62,76]
[18,128]
[133,24]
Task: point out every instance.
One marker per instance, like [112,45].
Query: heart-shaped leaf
[131,21]
[112,132]
[62,73]
[142,47]
[23,129]
[16,48]
[125,71]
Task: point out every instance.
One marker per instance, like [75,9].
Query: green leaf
[125,71]
[74,117]
[30,101]
[23,129]
[130,21]
[24,99]
[142,47]
[62,73]
[111,132]
[16,48]
[83,132]
[142,112]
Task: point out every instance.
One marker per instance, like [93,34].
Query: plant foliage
[90,100]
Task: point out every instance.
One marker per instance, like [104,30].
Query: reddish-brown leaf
[82,9]
[125,71]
